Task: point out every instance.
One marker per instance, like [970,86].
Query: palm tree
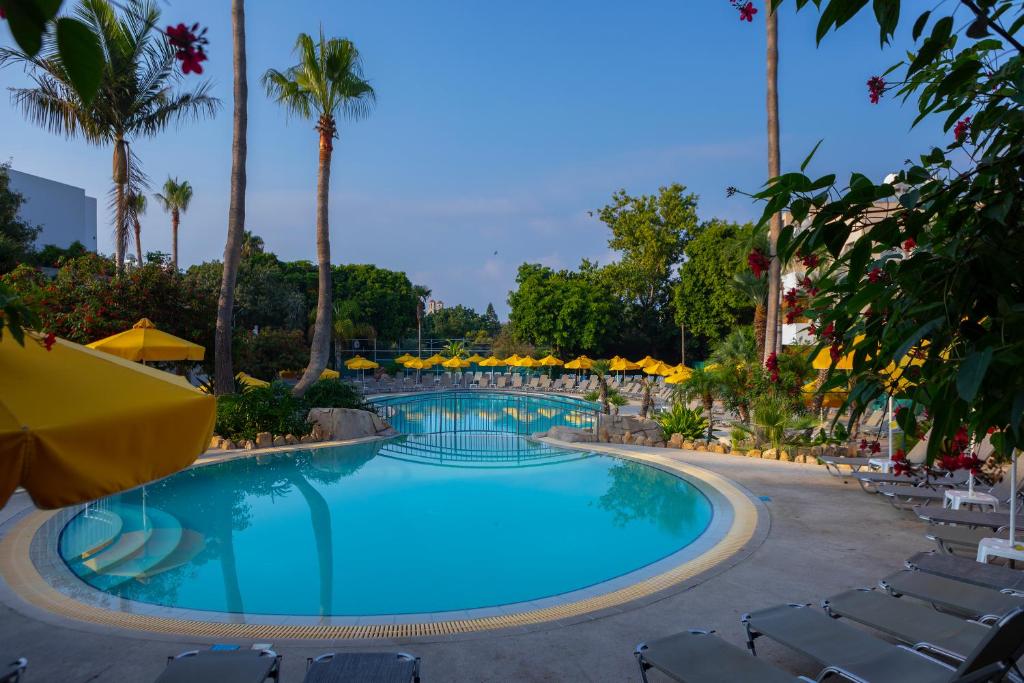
[601,368]
[774,170]
[702,385]
[136,96]
[645,399]
[224,375]
[175,200]
[755,290]
[421,294]
[454,348]
[137,204]
[345,326]
[328,80]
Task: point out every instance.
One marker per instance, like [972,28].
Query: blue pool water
[421,523]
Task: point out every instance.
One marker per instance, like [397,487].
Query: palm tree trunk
[175,220]
[775,227]
[682,344]
[320,515]
[819,398]
[419,335]
[645,401]
[602,394]
[319,349]
[760,327]
[120,177]
[138,241]
[224,376]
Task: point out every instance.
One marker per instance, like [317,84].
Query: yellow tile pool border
[24,580]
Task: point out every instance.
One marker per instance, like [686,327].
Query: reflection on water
[415,524]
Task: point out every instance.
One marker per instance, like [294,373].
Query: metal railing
[481,411]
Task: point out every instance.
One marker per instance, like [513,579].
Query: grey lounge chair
[222,666]
[873,481]
[917,455]
[916,625]
[13,671]
[859,656]
[903,496]
[363,667]
[697,656]
[970,601]
[991,520]
[957,539]
[969,571]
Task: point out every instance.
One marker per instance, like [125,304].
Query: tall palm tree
[421,294]
[703,385]
[175,199]
[137,204]
[346,326]
[601,368]
[327,81]
[755,290]
[774,170]
[224,374]
[137,96]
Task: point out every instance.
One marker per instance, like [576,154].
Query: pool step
[94,531]
[147,538]
[191,544]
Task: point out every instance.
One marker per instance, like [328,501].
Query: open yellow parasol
[659,368]
[77,424]
[492,362]
[455,363]
[475,358]
[146,343]
[250,381]
[528,362]
[581,363]
[417,364]
[404,358]
[360,363]
[646,360]
[550,361]
[623,364]
[513,359]
[328,373]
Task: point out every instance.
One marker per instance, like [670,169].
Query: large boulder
[342,424]
[570,435]
[264,440]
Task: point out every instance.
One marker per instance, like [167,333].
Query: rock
[675,440]
[604,434]
[687,446]
[228,445]
[319,433]
[785,457]
[817,450]
[264,440]
[753,453]
[279,441]
[248,445]
[216,442]
[343,424]
[307,438]
[571,435]
[615,438]
[661,444]
[770,454]
[700,447]
[290,439]
[627,437]
[716,448]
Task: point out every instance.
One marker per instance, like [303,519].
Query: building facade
[65,212]
[434,306]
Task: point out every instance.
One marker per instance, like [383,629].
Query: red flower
[188,46]
[875,447]
[812,329]
[49,340]
[961,129]
[875,275]
[758,262]
[829,330]
[747,12]
[834,352]
[909,244]
[863,444]
[772,365]
[876,86]
[810,261]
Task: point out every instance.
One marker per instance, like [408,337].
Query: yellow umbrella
[455,363]
[622,364]
[513,359]
[417,364]
[659,368]
[550,361]
[77,424]
[250,381]
[436,359]
[404,358]
[360,364]
[711,367]
[616,357]
[645,361]
[329,374]
[677,377]
[146,343]
[833,398]
[581,363]
[492,362]
[823,361]
[475,358]
[528,362]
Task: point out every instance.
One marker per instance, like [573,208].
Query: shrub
[263,355]
[330,393]
[262,409]
[681,420]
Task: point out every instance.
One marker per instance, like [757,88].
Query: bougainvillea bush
[933,286]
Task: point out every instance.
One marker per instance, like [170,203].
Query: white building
[434,306]
[65,213]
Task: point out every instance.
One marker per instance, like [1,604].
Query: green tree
[455,322]
[347,324]
[421,293]
[16,236]
[704,302]
[493,325]
[136,96]
[650,232]
[137,207]
[601,368]
[385,298]
[327,81]
[175,200]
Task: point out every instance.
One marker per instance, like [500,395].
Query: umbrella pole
[1013,497]
[890,428]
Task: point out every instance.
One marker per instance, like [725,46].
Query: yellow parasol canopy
[528,362]
[78,424]
[623,364]
[513,359]
[327,373]
[146,343]
[455,362]
[404,358]
[361,364]
[475,358]
[436,359]
[823,361]
[417,364]
[659,368]
[250,381]
[833,398]
[645,361]
[678,377]
[549,360]
[581,363]
[492,362]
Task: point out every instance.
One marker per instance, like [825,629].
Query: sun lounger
[969,571]
[859,656]
[371,667]
[517,381]
[872,481]
[697,656]
[222,666]
[484,382]
[991,520]
[916,625]
[13,670]
[501,382]
[957,540]
[949,595]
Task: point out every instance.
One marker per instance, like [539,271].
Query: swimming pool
[448,523]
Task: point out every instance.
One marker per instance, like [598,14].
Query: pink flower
[758,262]
[909,244]
[875,275]
[747,12]
[961,129]
[188,46]
[876,86]
[772,365]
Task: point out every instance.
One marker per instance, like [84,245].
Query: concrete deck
[825,536]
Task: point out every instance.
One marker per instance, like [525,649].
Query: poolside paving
[824,535]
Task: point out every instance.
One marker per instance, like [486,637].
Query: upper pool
[425,523]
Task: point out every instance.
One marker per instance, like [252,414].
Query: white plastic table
[883,464]
[957,497]
[999,547]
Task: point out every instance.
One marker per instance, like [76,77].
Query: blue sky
[498,127]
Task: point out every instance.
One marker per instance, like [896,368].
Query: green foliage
[681,420]
[385,298]
[332,393]
[953,298]
[459,322]
[704,299]
[568,311]
[17,238]
[262,409]
[454,348]
[263,355]
[51,255]
[15,315]
[176,195]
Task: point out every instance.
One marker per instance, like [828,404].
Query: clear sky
[498,127]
